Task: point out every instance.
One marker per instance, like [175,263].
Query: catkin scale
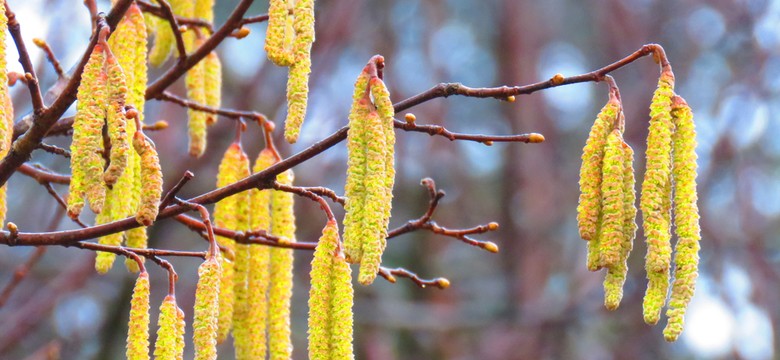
[138,329]
[205,324]
[281,265]
[330,300]
[656,198]
[151,176]
[87,164]
[686,218]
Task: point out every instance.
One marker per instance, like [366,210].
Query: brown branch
[251,237]
[452,136]
[233,114]
[167,13]
[50,56]
[252,20]
[43,176]
[206,220]
[390,274]
[53,149]
[325,192]
[61,202]
[171,194]
[160,12]
[307,194]
[24,58]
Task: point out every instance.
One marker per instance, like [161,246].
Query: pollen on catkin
[259,270]
[181,326]
[656,198]
[242,336]
[279,52]
[589,207]
[86,161]
[212,68]
[233,167]
[116,121]
[686,218]
[165,347]
[280,291]
[164,40]
[138,330]
[207,295]
[6,110]
[298,81]
[196,91]
[330,300]
[151,176]
[612,202]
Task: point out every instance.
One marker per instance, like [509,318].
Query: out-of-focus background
[534,299]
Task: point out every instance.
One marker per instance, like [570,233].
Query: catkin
[279,52]
[259,270]
[164,40]
[151,176]
[104,260]
[120,146]
[356,171]
[196,91]
[656,198]
[241,265]
[181,326]
[212,68]
[330,300]
[589,207]
[207,296]
[165,347]
[280,291]
[686,217]
[86,161]
[298,81]
[6,110]
[138,330]
[232,168]
[612,202]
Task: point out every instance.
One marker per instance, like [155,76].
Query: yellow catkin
[227,213]
[259,270]
[86,161]
[213,84]
[278,17]
[242,335]
[612,202]
[120,145]
[686,218]
[138,329]
[164,40]
[204,9]
[354,189]
[165,347]
[616,274]
[196,91]
[330,300]
[6,109]
[280,291]
[589,208]
[298,81]
[151,175]
[205,324]
[104,260]
[655,198]
[181,326]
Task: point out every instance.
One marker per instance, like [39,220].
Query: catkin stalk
[138,330]
[655,198]
[686,218]
[280,291]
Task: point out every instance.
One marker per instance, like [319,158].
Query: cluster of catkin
[606,210]
[288,43]
[170,325]
[6,108]
[120,177]
[370,172]
[253,288]
[204,80]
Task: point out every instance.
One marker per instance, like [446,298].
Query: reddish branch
[24,58]
[50,56]
[390,274]
[161,12]
[233,114]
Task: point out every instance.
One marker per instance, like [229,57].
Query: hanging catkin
[6,110]
[298,81]
[612,233]
[196,91]
[241,265]
[686,217]
[207,295]
[168,331]
[151,177]
[656,198]
[278,33]
[212,68]
[117,131]
[233,167]
[280,290]
[86,162]
[330,300]
[259,269]
[138,330]
[181,326]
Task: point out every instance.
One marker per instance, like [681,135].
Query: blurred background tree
[535,298]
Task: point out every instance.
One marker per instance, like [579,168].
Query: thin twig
[307,194]
[43,45]
[24,58]
[166,200]
[390,274]
[53,149]
[43,176]
[180,20]
[230,113]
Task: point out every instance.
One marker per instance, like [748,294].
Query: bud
[138,330]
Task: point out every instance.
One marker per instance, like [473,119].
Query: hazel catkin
[138,330]
[165,347]
[120,146]
[298,81]
[212,68]
[281,259]
[6,110]
[207,295]
[278,51]
[151,175]
[612,202]
[686,217]
[330,300]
